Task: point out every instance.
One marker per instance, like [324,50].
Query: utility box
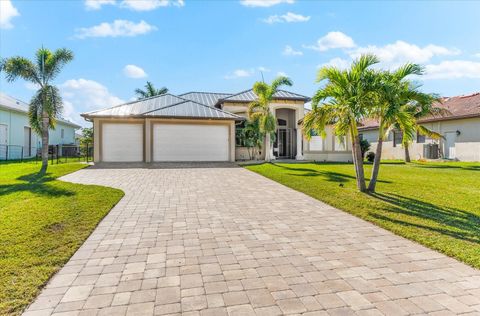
[430,151]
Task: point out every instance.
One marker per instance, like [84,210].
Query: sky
[225,46]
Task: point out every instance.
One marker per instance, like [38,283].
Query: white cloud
[97,4]
[83,95]
[264,3]
[263,69]
[289,51]
[337,62]
[332,40]
[281,73]
[477,55]
[400,52]
[7,13]
[133,71]
[148,5]
[453,69]
[289,17]
[240,73]
[119,28]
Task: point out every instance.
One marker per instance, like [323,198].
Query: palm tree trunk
[358,163]
[45,121]
[407,153]
[376,166]
[267,147]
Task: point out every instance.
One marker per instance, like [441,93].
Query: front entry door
[284,143]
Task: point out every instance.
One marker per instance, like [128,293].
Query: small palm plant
[46,104]
[252,138]
[343,102]
[150,91]
[259,110]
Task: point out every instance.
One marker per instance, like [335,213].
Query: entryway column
[299,155]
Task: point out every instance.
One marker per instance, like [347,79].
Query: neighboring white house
[17,137]
[202,126]
[460,129]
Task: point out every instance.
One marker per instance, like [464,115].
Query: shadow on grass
[37,184]
[453,222]
[468,168]
[328,175]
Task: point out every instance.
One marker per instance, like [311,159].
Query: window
[238,132]
[281,122]
[420,138]
[360,136]
[397,138]
[62,133]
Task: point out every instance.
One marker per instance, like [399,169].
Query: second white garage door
[190,142]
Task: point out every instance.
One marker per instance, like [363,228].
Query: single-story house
[201,126]
[17,137]
[459,126]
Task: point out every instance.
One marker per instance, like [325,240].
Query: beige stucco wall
[327,148]
[467,143]
[148,130]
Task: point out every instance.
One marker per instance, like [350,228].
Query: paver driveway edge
[227,241]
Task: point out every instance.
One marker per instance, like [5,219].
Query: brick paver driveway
[226,241]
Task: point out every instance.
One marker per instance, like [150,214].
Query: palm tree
[150,91]
[395,97]
[344,101]
[46,104]
[260,109]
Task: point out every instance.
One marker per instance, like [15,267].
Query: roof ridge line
[204,105]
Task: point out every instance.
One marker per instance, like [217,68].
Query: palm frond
[20,67]
[422,130]
[55,62]
[278,82]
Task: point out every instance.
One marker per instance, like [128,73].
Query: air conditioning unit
[430,151]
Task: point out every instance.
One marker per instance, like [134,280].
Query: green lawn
[435,204]
[43,221]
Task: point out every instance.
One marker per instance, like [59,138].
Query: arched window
[281,122]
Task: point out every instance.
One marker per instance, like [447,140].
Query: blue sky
[223,45]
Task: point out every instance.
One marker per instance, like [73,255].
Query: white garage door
[190,142]
[122,142]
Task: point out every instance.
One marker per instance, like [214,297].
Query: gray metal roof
[249,96]
[137,107]
[166,105]
[207,98]
[191,109]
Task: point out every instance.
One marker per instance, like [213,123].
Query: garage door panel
[122,142]
[190,142]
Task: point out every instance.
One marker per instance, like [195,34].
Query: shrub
[370,156]
[364,147]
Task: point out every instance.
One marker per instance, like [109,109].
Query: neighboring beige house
[460,129]
[201,126]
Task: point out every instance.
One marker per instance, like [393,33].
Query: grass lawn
[435,204]
[43,221]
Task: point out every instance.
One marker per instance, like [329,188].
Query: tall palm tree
[395,97]
[150,91]
[46,104]
[344,101]
[260,109]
